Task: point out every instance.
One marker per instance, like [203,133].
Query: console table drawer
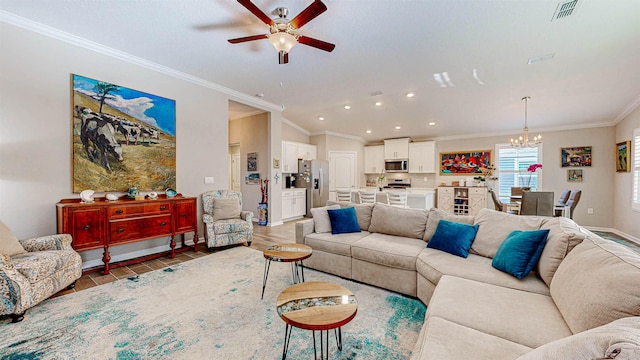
[126,230]
[138,209]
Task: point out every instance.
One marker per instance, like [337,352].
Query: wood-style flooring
[263,236]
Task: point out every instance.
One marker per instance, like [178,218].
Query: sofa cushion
[598,282]
[495,226]
[443,339]
[519,316]
[391,220]
[321,220]
[392,251]
[519,252]
[619,339]
[9,244]
[343,220]
[339,244]
[453,238]
[232,226]
[435,215]
[226,208]
[564,235]
[363,212]
[39,265]
[433,264]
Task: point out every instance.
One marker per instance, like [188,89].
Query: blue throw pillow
[343,220]
[453,237]
[520,252]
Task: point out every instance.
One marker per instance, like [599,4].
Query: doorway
[343,169]
[234,167]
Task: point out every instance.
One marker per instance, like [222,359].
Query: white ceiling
[393,47]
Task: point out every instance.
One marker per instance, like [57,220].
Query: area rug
[207,308]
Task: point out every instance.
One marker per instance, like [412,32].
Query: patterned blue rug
[207,308]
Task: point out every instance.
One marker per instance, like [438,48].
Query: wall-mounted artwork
[574,175]
[465,162]
[122,138]
[622,156]
[252,179]
[575,156]
[252,161]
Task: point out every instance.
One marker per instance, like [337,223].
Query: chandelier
[523,140]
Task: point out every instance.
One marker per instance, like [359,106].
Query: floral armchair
[225,222]
[42,268]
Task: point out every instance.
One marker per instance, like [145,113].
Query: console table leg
[172,244]
[106,258]
[195,240]
[267,265]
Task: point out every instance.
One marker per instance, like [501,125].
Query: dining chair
[343,195]
[537,203]
[496,200]
[573,201]
[397,198]
[564,198]
[367,197]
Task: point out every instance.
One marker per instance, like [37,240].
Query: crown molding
[296,126]
[54,33]
[337,134]
[628,110]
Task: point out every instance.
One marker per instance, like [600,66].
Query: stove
[398,184]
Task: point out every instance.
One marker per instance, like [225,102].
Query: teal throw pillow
[343,220]
[520,252]
[453,237]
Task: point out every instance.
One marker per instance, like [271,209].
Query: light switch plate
[208,180]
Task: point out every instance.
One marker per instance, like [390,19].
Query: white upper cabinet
[422,157]
[396,149]
[373,159]
[292,151]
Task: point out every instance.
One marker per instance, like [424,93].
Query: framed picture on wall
[121,138]
[574,175]
[622,156]
[579,156]
[252,161]
[465,162]
[252,179]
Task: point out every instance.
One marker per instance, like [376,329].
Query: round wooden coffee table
[293,253]
[316,306]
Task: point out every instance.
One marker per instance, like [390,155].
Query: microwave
[396,165]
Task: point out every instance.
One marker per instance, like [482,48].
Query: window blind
[512,165]
[636,169]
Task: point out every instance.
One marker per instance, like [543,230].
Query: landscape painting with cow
[121,138]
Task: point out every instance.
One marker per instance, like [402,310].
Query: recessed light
[410,94]
[398,128]
[368,131]
[378,103]
[347,107]
[320,118]
[432,123]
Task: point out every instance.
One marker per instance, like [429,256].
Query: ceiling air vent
[565,9]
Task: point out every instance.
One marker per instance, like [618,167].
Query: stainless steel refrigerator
[314,176]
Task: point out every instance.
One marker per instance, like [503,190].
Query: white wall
[625,218]
[35,127]
[290,133]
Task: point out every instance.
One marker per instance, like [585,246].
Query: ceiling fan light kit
[523,140]
[283,34]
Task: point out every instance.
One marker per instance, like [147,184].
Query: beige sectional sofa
[582,301]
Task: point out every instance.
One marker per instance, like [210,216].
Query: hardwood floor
[263,237]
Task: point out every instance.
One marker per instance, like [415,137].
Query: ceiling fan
[283,34]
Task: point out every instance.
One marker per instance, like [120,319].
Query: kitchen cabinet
[462,200]
[396,149]
[422,157]
[373,159]
[294,203]
[292,151]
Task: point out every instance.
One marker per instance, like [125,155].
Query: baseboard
[276,223]
[632,239]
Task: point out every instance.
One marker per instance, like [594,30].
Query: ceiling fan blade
[322,45]
[316,8]
[256,11]
[248,38]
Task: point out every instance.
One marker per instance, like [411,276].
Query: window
[636,169]
[511,168]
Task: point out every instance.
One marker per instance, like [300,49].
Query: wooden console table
[104,223]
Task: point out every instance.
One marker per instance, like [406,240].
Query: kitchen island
[417,198]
